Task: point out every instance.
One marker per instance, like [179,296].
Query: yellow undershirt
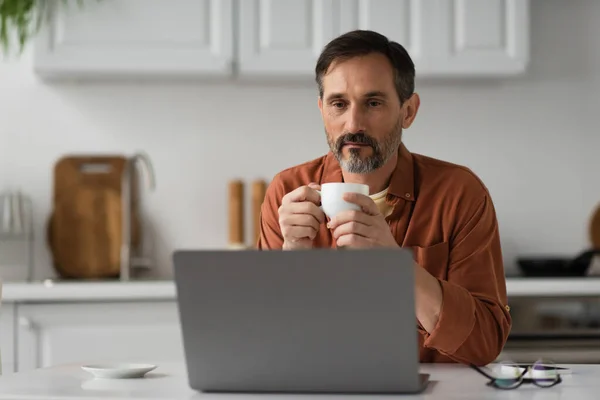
[379,199]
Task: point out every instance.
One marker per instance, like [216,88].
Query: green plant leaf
[17,20]
[15,17]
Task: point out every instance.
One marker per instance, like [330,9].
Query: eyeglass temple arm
[476,368]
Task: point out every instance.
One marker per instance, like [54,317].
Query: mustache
[359,137]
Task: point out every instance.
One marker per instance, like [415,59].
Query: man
[442,211]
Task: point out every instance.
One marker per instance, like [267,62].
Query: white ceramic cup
[332,202]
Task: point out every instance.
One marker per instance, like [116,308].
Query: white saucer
[118,371]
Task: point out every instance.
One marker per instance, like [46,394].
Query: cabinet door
[404,21]
[283,37]
[136,38]
[448,38]
[7,338]
[488,37]
[50,334]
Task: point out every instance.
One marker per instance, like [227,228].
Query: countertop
[165,289]
[88,291]
[169,381]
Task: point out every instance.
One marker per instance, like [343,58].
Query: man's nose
[356,120]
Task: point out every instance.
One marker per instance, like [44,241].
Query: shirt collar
[401,182]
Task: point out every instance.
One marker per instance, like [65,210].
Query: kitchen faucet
[143,161]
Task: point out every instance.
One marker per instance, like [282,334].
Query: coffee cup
[332,201]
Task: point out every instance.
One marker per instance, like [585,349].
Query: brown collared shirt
[444,213]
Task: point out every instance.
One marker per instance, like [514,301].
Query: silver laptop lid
[299,321]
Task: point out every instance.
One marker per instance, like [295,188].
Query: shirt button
[507,308]
[407,195]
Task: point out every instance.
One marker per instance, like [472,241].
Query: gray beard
[355,165]
[382,152]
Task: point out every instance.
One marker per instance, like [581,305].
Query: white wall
[534,140]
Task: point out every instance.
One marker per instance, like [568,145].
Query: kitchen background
[532,139]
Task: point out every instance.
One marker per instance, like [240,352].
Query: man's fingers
[306,208]
[353,241]
[293,220]
[300,232]
[303,193]
[365,202]
[349,216]
[351,228]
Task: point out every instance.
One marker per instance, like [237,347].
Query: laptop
[318,321]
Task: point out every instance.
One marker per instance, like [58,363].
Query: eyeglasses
[507,375]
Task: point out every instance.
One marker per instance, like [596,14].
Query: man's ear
[320,104]
[411,107]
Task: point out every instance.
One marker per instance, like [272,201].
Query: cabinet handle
[26,323]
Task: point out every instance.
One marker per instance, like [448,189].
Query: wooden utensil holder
[236,203]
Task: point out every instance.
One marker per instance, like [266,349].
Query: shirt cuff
[456,321]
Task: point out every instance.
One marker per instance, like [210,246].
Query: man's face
[361,112]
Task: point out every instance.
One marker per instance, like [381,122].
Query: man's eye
[374,103]
[338,104]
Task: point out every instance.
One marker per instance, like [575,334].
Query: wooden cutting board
[84,229]
[594,228]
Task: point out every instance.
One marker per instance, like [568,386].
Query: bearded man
[441,211]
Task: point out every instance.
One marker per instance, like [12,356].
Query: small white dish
[118,371]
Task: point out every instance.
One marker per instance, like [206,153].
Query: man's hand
[300,217]
[361,229]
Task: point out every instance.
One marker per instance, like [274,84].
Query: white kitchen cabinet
[484,38]
[136,38]
[403,21]
[7,338]
[275,38]
[51,334]
[283,37]
[449,38]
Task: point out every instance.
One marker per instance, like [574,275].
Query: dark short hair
[362,42]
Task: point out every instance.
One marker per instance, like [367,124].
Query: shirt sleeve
[474,321]
[270,237]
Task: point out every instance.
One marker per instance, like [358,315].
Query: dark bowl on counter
[557,266]
[551,267]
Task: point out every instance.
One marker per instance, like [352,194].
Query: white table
[170,382]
